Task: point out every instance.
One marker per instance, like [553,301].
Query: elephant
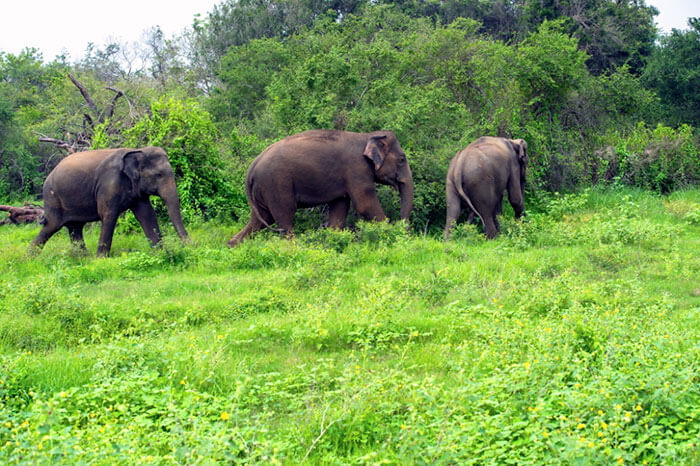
[325,167]
[477,177]
[101,184]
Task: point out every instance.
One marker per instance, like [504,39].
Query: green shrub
[378,233]
[661,159]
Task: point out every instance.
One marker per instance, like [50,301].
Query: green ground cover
[571,338]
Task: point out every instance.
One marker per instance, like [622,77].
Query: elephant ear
[375,151]
[520,147]
[131,162]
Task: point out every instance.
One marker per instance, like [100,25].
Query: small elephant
[325,167]
[101,184]
[479,174]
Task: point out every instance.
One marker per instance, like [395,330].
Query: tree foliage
[673,72]
[24,84]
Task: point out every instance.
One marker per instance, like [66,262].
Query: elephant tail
[254,211]
[457,181]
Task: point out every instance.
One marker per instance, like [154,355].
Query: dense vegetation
[571,338]
[597,93]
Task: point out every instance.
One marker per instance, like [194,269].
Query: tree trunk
[17,215]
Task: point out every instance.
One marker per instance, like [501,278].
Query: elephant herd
[303,170]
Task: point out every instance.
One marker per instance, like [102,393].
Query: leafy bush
[187,134]
[378,233]
[662,159]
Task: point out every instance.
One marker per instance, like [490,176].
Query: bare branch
[84,92]
[87,122]
[110,110]
[58,143]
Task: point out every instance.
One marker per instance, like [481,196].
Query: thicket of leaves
[673,71]
[24,83]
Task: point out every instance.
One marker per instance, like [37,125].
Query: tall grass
[572,337]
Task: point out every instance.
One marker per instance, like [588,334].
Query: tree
[163,56]
[245,73]
[24,83]
[237,22]
[612,32]
[673,72]
[550,66]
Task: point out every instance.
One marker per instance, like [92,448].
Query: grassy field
[571,338]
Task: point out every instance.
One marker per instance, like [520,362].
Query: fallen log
[26,214]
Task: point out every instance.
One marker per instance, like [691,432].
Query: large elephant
[325,167]
[101,184]
[479,174]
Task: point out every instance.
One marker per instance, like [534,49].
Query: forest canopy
[599,94]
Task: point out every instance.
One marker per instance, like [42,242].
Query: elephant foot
[236,240]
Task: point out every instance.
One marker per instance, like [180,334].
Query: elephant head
[150,173]
[391,167]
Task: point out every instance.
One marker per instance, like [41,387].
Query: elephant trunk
[406,195]
[172,203]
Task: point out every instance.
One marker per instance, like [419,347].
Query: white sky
[675,13]
[53,26]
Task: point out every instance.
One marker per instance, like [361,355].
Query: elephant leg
[454,208]
[491,226]
[283,215]
[338,212]
[46,232]
[104,246]
[367,203]
[144,213]
[515,197]
[75,231]
[254,225]
[471,216]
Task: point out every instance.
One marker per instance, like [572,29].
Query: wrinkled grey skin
[325,167]
[479,174]
[101,184]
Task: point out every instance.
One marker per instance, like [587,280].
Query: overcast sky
[54,26]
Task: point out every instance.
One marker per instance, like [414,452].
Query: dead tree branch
[60,144]
[86,96]
[27,214]
[110,110]
[77,140]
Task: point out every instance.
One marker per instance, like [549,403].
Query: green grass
[571,338]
